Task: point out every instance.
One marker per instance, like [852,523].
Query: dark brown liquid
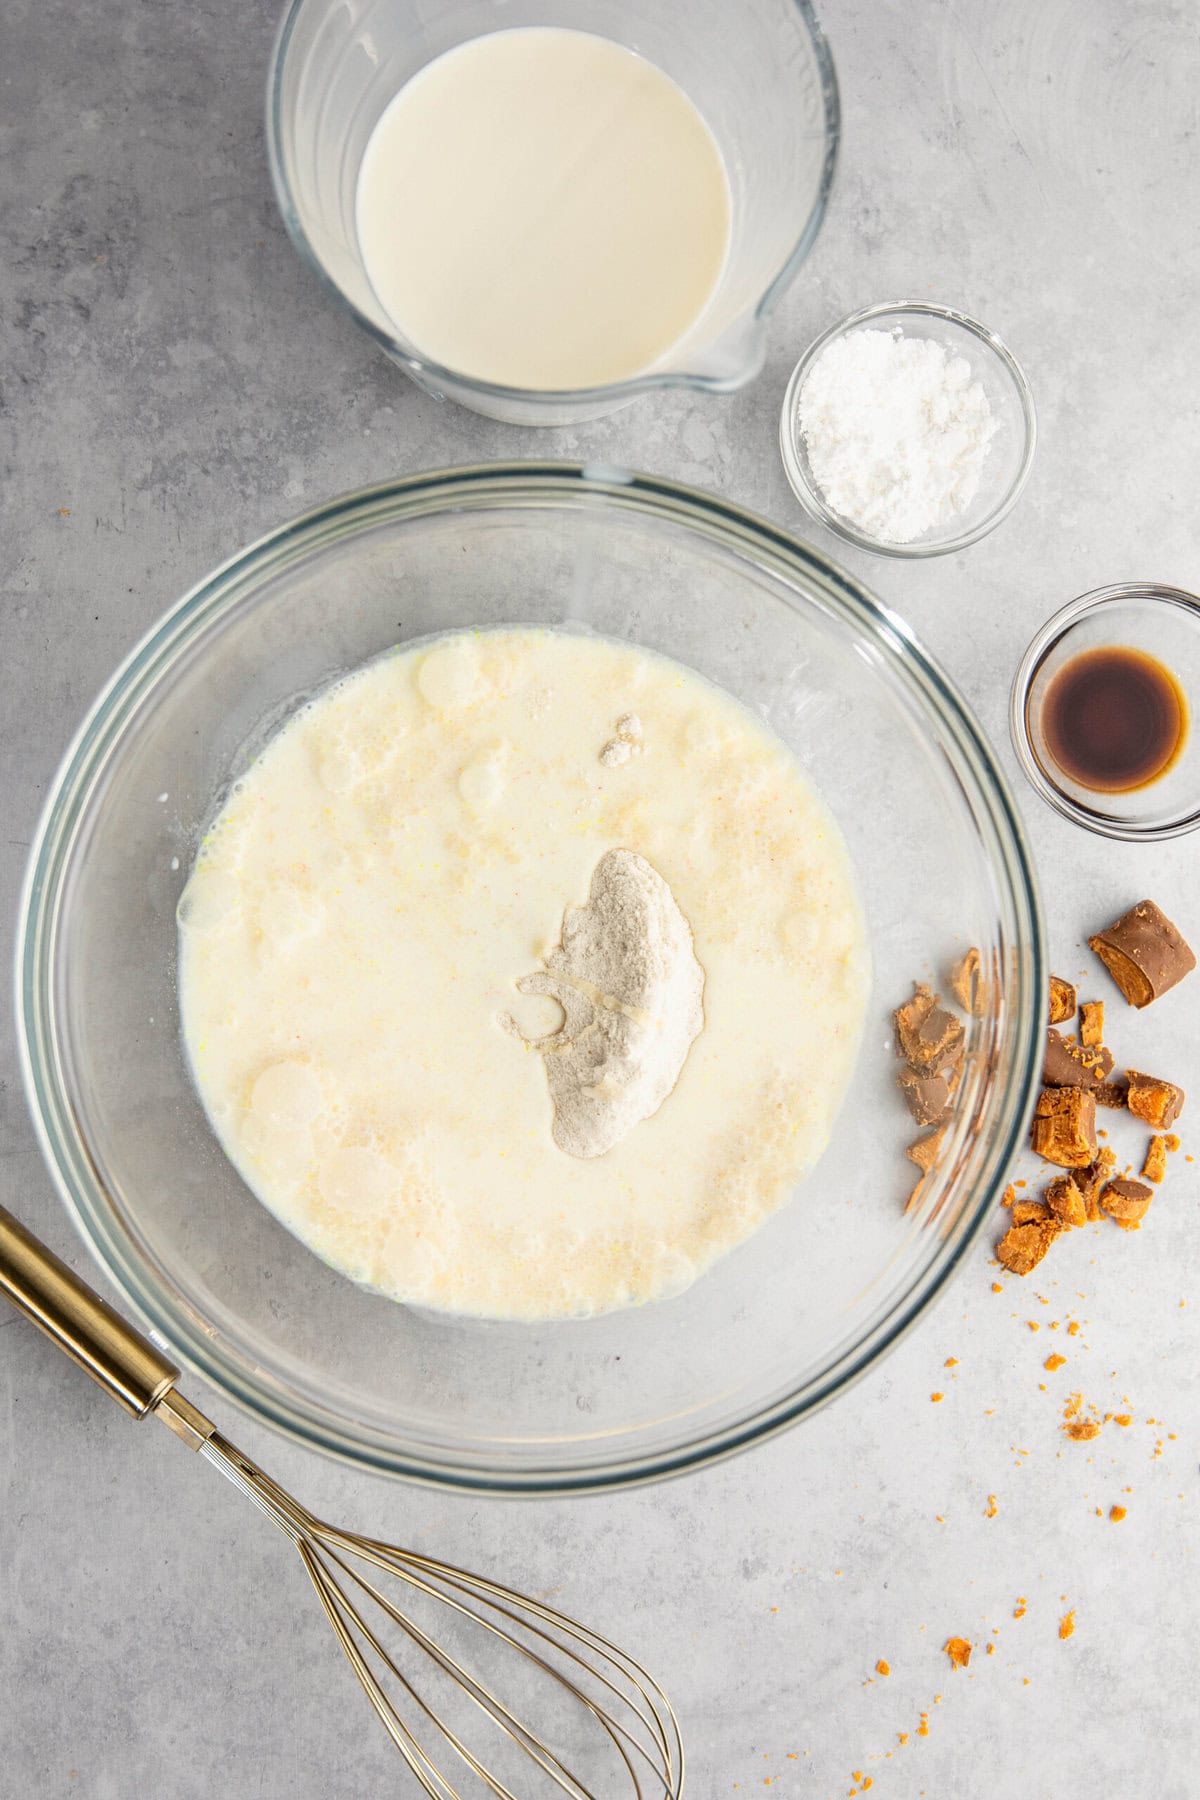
[1114,719]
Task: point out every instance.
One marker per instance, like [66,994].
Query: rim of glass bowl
[1046,640]
[151,1289]
[793,463]
[426,369]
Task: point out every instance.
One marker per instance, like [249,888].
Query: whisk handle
[120,1359]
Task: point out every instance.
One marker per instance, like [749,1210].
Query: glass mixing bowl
[823,1288]
[767,90]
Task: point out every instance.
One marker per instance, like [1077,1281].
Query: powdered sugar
[896,432]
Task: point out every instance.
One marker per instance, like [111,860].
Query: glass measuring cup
[766,88]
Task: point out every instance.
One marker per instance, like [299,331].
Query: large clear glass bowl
[765,85]
[780,1325]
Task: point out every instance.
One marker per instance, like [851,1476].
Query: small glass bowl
[1010,457]
[1164,622]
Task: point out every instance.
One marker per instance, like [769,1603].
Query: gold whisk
[609,1728]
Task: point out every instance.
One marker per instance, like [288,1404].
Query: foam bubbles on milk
[281,1154]
[287,1093]
[358,1180]
[481,781]
[449,674]
[287,916]
[211,899]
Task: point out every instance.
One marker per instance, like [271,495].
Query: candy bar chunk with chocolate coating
[1126,1201]
[927,1035]
[929,1098]
[1158,1102]
[1090,1180]
[1144,953]
[1070,1065]
[967,984]
[1064,1127]
[926,1150]
[1030,1212]
[1064,1200]
[1062,1000]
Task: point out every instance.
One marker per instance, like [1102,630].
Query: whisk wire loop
[476,1690]
[627,1704]
[405,1565]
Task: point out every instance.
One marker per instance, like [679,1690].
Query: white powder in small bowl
[896,432]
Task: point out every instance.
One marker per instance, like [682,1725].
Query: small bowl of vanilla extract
[1101,711]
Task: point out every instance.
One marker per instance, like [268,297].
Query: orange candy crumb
[991,1509]
[1066,1625]
[958,1650]
[883,1668]
[936,1397]
[1117,1513]
[1054,1362]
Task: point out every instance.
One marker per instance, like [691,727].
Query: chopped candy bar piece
[1155,1165]
[1023,1247]
[925,1151]
[1089,1181]
[1070,1065]
[966,983]
[929,1098]
[1126,1201]
[1091,1024]
[1065,1201]
[1062,1000]
[1158,1102]
[1144,953]
[927,1034]
[1064,1127]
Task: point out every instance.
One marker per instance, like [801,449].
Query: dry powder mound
[631,990]
[896,432]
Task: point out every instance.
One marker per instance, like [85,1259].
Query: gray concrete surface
[173,384]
